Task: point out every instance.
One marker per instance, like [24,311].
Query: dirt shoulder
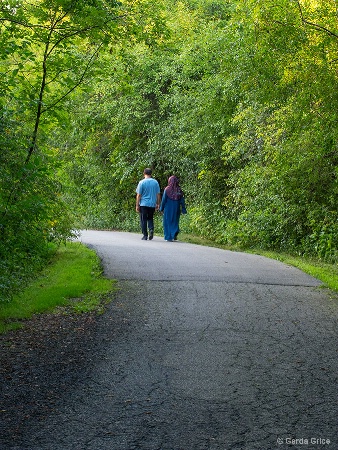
[39,364]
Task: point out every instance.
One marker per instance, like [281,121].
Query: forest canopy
[237,98]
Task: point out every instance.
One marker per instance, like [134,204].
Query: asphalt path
[201,349]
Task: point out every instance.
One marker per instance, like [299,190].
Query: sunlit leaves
[238,98]
[48,49]
[287,138]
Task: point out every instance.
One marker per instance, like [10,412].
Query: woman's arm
[164,201]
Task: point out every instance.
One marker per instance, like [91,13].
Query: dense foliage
[237,98]
[48,51]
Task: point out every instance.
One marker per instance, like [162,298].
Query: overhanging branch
[315,25]
[77,83]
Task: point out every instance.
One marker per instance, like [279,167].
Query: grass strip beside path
[72,279]
[327,273]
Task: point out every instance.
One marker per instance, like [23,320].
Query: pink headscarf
[173,190]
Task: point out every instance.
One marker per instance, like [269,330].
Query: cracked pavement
[200,349]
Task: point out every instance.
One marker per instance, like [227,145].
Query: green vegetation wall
[49,53]
[237,98]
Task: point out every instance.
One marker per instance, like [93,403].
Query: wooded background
[238,98]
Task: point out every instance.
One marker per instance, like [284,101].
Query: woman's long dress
[171,218]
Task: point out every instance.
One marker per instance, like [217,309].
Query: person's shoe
[151,234]
[144,238]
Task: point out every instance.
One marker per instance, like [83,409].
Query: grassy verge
[73,279]
[327,273]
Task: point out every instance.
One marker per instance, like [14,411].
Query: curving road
[201,349]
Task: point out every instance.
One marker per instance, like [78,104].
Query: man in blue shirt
[148,199]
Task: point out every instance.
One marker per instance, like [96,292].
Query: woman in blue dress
[172,205]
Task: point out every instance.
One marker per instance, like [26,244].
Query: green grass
[73,279]
[327,273]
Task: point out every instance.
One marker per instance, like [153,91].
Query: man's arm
[138,199]
[158,202]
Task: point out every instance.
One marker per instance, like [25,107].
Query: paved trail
[201,349]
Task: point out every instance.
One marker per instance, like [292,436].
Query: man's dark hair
[147,171]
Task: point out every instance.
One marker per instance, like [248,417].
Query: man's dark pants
[147,219]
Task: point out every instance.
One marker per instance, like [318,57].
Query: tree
[284,155]
[48,50]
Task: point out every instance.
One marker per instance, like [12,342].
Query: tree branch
[315,25]
[77,83]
